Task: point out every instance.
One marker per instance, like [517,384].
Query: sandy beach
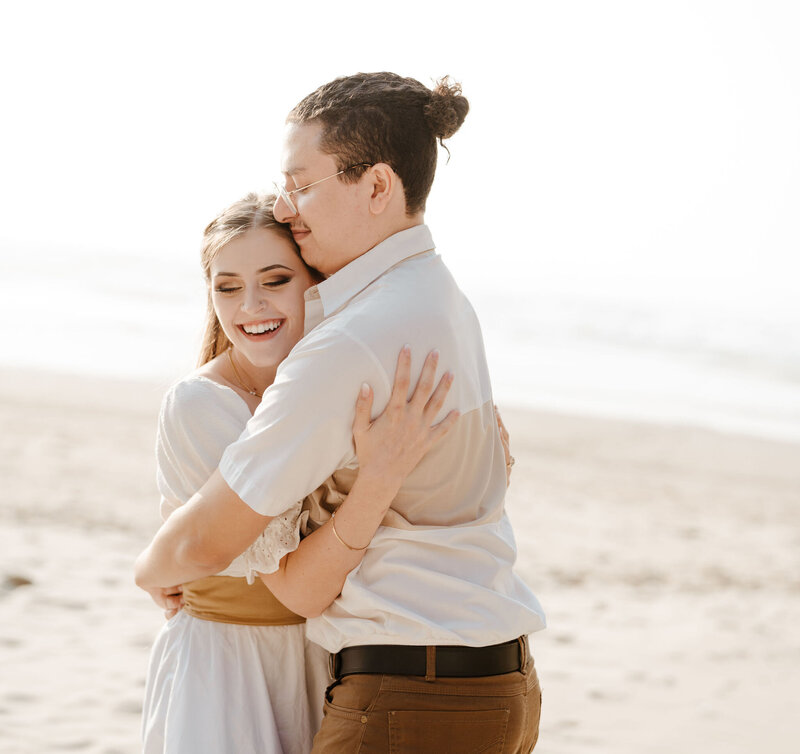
[667,559]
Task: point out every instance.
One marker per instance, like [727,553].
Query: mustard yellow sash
[228,599]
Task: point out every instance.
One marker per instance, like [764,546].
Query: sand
[667,559]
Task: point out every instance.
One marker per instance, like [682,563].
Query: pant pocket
[534,716]
[447,732]
[341,731]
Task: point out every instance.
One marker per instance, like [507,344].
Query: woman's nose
[253,300]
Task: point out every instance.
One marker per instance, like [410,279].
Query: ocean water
[656,361]
[140,316]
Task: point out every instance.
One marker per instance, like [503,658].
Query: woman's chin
[264,357]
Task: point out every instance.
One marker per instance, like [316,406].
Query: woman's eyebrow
[263,269]
[276,267]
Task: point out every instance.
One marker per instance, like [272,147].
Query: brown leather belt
[431,662]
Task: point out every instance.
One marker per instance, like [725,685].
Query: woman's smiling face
[257,285]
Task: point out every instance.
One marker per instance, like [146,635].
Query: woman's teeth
[262,327]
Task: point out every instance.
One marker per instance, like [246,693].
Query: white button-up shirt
[439,569]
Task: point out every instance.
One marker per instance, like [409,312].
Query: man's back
[440,568]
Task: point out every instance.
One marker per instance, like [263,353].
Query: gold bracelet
[336,534]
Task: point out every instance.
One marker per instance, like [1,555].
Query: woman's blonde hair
[252,211]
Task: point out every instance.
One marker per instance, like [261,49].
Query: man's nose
[282,211]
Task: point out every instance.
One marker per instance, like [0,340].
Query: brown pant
[401,714]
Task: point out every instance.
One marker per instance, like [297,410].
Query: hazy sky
[633,148]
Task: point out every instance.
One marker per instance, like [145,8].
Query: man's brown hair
[383,117]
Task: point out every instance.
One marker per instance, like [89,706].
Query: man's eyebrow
[263,269]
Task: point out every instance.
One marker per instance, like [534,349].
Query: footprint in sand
[62,603]
[12,581]
[564,638]
[130,707]
[17,698]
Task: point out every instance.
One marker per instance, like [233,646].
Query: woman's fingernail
[364,390]
[406,349]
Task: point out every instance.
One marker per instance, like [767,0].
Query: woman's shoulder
[197,397]
[193,389]
[199,418]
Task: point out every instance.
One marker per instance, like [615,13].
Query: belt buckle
[334,665]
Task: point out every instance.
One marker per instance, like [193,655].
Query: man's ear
[384,183]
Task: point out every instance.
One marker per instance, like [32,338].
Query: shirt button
[363,718]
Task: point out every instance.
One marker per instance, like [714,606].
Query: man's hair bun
[447,109]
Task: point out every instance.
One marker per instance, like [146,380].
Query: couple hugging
[344,582]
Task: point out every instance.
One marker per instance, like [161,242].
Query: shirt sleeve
[196,422]
[303,429]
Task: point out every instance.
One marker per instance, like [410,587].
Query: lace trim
[281,536]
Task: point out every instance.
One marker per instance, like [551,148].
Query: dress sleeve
[197,421]
[279,538]
[283,533]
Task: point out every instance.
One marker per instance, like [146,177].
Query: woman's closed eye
[271,283]
[276,282]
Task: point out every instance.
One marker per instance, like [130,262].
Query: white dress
[214,688]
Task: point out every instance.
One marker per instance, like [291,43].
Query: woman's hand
[506,440]
[391,446]
[169,599]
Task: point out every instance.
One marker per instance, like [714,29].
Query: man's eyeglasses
[287,195]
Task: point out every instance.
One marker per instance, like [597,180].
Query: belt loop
[334,665]
[430,663]
[523,651]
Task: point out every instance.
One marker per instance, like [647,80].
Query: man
[429,634]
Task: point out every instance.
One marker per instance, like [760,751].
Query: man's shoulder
[419,288]
[410,303]
[333,353]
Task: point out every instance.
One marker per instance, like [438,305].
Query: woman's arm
[311,577]
[202,537]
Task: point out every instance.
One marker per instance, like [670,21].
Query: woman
[231,670]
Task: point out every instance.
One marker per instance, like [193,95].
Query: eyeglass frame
[287,195]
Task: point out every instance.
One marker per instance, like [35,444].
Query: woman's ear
[384,184]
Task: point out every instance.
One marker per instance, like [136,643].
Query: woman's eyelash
[267,284]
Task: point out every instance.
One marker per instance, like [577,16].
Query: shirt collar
[340,287]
